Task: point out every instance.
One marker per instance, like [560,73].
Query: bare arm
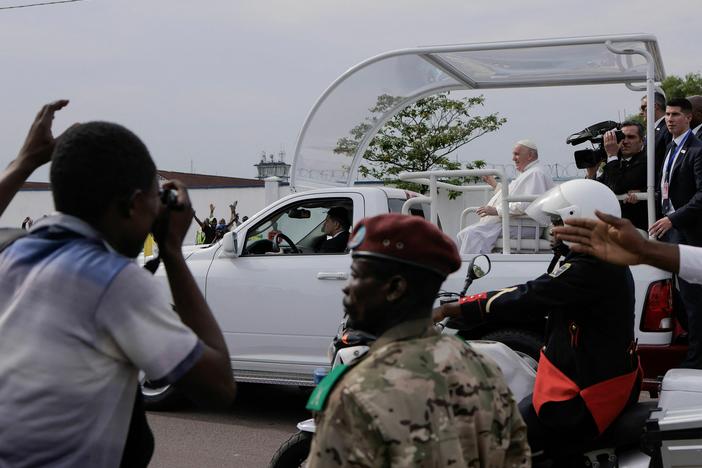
[35,152]
[197,220]
[617,241]
[210,379]
[234,218]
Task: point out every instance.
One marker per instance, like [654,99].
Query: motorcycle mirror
[479,267]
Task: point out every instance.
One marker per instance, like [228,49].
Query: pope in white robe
[532,180]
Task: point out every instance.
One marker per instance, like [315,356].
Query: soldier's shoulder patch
[562,269]
[322,390]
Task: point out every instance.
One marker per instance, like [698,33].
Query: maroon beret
[405,239]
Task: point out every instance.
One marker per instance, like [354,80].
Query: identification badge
[563,268]
[664,191]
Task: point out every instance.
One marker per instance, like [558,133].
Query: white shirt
[691,263]
[76,323]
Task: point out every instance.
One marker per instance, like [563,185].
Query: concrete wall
[32,203]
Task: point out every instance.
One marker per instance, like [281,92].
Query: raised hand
[612,239]
[40,141]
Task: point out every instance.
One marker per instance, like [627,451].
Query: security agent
[418,398]
[625,170]
[681,204]
[588,370]
[662,135]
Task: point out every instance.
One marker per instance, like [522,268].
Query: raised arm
[234,218]
[35,152]
[197,220]
[616,240]
[210,379]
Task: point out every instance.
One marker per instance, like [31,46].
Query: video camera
[594,134]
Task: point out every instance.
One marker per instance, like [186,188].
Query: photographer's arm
[35,152]
[210,379]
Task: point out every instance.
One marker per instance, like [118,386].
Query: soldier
[417,398]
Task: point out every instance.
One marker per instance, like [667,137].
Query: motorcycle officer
[588,370]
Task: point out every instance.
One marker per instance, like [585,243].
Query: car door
[279,312]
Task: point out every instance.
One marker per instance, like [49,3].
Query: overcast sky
[210,84]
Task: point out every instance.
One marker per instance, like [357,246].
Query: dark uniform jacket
[623,175]
[589,352]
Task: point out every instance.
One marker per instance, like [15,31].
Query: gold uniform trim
[503,291]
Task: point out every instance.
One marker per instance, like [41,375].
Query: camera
[595,135]
[169,198]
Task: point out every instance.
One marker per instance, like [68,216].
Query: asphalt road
[248,435]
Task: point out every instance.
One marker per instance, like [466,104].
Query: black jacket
[590,325]
[334,245]
[686,191]
[623,175]
[663,139]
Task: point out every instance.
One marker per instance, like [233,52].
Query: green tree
[419,138]
[676,87]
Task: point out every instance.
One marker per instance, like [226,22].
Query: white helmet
[577,198]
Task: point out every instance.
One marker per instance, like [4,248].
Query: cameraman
[625,170]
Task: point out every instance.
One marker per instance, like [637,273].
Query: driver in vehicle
[336,231]
[588,370]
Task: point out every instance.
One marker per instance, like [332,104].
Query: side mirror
[479,267]
[230,245]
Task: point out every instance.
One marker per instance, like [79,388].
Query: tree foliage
[419,138]
[677,87]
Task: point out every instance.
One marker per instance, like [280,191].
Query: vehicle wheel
[163,398]
[294,451]
[525,343]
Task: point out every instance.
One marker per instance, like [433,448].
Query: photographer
[79,318]
[625,170]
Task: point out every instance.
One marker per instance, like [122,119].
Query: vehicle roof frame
[616,44]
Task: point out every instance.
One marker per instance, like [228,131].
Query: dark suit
[334,245]
[685,193]
[663,139]
[623,175]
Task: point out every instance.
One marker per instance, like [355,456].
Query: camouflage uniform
[420,399]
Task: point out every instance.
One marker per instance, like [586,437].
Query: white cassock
[481,236]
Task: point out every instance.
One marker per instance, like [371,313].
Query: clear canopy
[347,116]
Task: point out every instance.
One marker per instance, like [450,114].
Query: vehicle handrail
[414,201]
[430,178]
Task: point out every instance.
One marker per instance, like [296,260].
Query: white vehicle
[279,312]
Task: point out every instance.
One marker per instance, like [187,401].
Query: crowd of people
[212,230]
[79,319]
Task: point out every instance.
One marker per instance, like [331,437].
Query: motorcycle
[650,434]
